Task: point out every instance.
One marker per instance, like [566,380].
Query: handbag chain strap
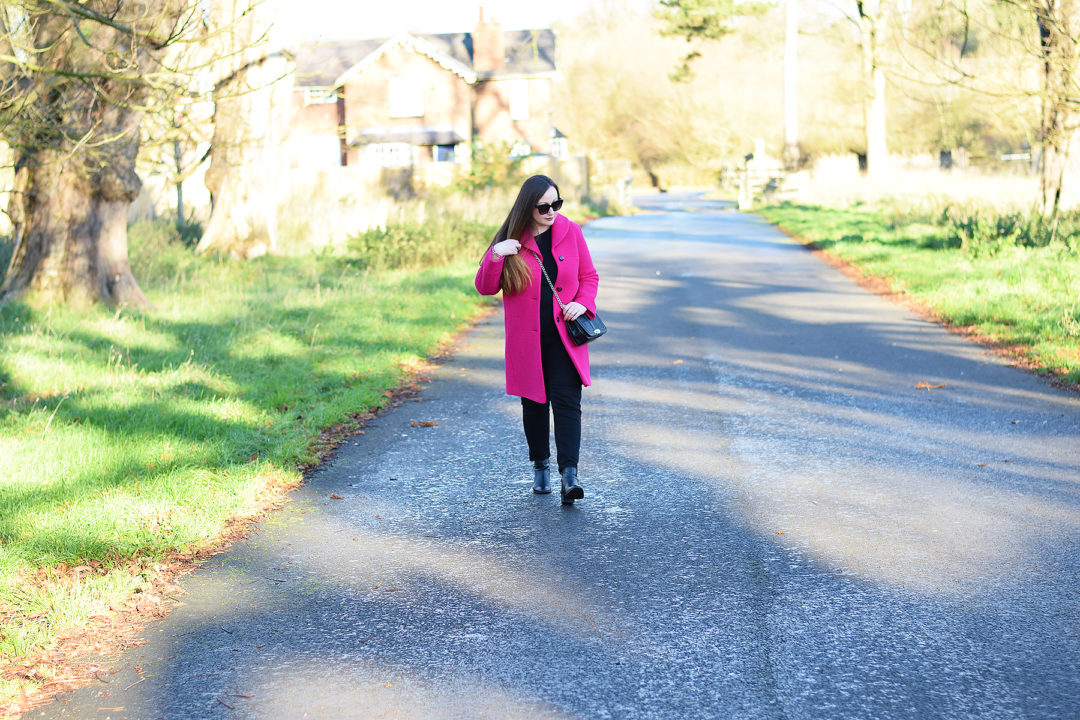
[546,277]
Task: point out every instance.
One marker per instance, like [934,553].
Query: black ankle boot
[571,491]
[542,480]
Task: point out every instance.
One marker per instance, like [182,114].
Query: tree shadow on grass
[212,395]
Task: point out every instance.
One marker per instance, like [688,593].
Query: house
[413,99]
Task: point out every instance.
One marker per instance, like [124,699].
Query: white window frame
[320,96]
[391,154]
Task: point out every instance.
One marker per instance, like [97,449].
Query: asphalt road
[777,524]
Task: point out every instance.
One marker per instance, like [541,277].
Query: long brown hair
[516,274]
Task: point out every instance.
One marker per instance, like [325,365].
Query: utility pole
[791,86]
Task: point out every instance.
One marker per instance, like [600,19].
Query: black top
[548,331]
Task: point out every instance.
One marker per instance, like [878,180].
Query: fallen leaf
[923,385]
[335,496]
[386,685]
[355,539]
[779,532]
[677,362]
[392,589]
[424,423]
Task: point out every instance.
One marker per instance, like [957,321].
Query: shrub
[491,166]
[159,252]
[415,243]
[986,232]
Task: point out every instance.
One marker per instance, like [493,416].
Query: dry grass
[917,182]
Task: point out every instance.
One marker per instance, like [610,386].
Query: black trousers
[563,386]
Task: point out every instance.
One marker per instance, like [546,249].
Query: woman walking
[543,366]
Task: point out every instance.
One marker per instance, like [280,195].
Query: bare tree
[75,80]
[615,97]
[1034,48]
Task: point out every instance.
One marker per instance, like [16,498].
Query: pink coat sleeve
[489,276]
[588,279]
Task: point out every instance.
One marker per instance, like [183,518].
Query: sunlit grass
[1026,296]
[127,435]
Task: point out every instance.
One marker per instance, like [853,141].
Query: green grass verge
[1014,294]
[130,435]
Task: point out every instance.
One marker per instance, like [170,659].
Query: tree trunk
[247,166]
[81,79]
[178,160]
[251,119]
[871,29]
[1058,45]
[792,155]
[69,217]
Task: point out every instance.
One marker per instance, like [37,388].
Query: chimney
[489,50]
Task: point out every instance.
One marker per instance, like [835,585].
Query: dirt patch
[84,656]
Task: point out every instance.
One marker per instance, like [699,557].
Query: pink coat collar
[559,232]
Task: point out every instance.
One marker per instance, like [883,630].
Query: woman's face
[541,222]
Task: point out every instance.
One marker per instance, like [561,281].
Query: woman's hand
[573,311]
[506,247]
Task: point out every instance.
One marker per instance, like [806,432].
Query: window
[521,149]
[406,97]
[319,96]
[391,154]
[559,148]
[444,153]
[519,100]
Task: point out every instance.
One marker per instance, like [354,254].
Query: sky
[361,19]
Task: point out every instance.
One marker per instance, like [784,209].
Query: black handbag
[583,329]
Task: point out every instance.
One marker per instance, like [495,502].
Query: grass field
[1017,288]
[126,436]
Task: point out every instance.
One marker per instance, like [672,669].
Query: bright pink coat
[577,281]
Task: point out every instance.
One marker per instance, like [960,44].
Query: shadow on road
[777,522]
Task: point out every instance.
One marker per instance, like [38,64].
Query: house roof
[321,64]
[420,45]
[528,52]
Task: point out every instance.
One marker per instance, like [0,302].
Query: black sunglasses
[543,208]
